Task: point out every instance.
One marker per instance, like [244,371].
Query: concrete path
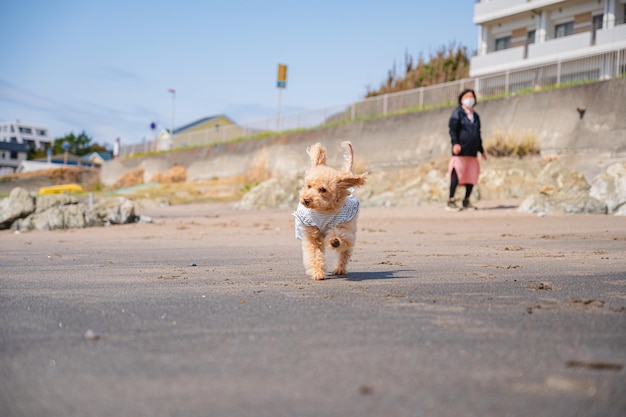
[487,313]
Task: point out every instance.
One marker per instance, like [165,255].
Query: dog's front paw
[318,276]
[340,271]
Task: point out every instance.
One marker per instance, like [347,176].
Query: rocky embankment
[542,185]
[22,211]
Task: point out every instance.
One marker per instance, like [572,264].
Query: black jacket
[465,133]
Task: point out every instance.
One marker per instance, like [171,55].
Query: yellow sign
[282,76]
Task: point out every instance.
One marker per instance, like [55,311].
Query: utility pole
[171,90]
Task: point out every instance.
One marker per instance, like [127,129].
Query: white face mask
[468,102]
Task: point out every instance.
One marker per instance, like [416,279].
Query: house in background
[34,137]
[98,158]
[11,154]
[518,34]
[211,129]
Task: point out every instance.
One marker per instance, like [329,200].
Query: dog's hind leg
[342,239]
[342,262]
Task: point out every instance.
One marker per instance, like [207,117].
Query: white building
[34,137]
[518,34]
[11,155]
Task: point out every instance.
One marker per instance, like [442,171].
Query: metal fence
[589,68]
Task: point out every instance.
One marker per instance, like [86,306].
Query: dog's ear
[352,180]
[317,153]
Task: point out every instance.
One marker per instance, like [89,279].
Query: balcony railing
[489,10]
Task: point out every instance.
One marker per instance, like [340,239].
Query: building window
[41,132]
[530,38]
[596,22]
[13,140]
[564,29]
[26,130]
[13,155]
[217,127]
[503,43]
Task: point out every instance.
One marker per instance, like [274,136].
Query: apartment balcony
[574,43]
[552,50]
[611,35]
[496,61]
[487,10]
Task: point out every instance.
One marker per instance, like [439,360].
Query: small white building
[34,137]
[519,34]
[11,155]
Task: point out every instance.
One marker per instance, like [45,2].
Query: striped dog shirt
[307,217]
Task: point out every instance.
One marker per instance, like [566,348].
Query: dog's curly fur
[325,191]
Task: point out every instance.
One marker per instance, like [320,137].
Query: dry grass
[134,177]
[258,171]
[64,174]
[512,145]
[216,190]
[173,175]
[448,63]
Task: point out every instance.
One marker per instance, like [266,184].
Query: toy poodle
[327,211]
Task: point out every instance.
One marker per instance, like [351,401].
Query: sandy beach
[207,311]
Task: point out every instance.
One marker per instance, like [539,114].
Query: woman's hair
[467,90]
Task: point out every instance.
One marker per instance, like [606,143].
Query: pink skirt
[467,169]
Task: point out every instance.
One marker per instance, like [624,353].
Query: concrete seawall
[410,139]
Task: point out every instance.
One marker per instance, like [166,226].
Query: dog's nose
[306,201]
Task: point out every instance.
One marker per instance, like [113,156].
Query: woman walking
[464,168]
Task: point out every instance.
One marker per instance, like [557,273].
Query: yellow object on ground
[60,189]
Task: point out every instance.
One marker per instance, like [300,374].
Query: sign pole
[66,147]
[153,127]
[280,93]
[281,83]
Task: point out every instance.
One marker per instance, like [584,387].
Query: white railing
[593,67]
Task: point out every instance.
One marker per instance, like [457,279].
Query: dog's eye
[308,186]
[322,190]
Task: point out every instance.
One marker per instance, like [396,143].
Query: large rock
[557,174]
[508,178]
[562,190]
[610,187]
[63,212]
[19,204]
[47,201]
[116,210]
[273,193]
[563,202]
[431,186]
[56,217]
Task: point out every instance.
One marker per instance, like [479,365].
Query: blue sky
[105,67]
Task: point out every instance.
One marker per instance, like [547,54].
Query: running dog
[327,211]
